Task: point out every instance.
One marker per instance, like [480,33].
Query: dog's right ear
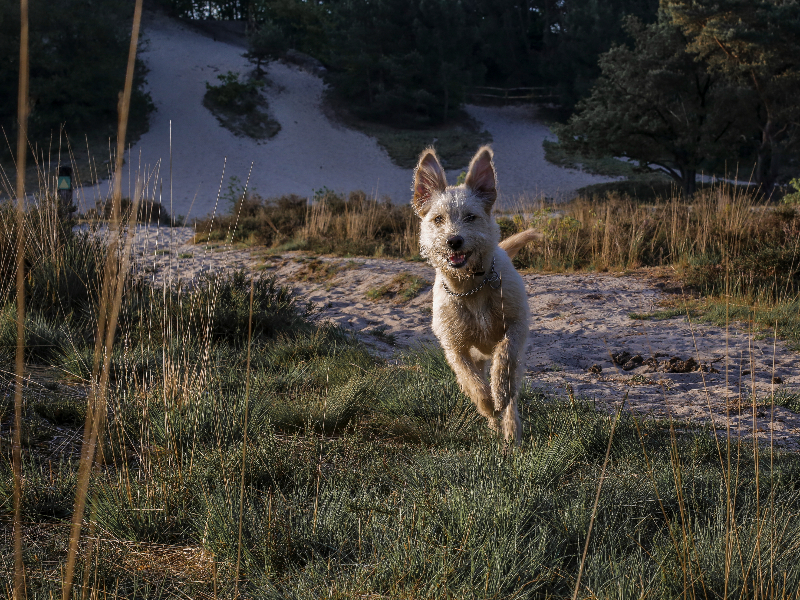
[429,179]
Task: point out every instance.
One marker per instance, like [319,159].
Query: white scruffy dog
[480,308]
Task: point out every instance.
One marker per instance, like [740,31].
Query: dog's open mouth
[458,259]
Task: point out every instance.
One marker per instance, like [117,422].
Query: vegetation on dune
[455,142]
[412,64]
[330,223]
[240,107]
[726,242]
[362,477]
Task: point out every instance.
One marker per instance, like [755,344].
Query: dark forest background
[78,54]
[413,62]
[680,86]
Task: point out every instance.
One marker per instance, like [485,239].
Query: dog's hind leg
[506,375]
[470,377]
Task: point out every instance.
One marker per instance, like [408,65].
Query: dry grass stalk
[597,499]
[22,135]
[318,218]
[361,222]
[109,311]
[244,441]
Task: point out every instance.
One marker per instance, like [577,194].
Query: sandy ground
[522,171]
[578,322]
[310,151]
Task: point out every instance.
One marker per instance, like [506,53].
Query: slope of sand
[310,152]
[578,321]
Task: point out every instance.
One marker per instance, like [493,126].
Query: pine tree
[267,42]
[754,44]
[657,104]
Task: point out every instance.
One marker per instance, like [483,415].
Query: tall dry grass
[722,232]
[354,224]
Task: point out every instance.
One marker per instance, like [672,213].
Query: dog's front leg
[506,376]
[473,384]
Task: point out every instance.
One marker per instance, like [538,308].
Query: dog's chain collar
[492,278]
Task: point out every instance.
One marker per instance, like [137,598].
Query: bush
[722,234]
[239,106]
[793,198]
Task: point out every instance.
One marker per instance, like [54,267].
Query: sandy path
[310,152]
[578,321]
[522,170]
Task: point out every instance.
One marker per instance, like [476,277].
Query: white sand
[310,152]
[522,171]
[577,321]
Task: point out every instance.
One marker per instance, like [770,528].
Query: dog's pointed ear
[481,178]
[429,179]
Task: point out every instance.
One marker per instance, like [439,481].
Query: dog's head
[457,232]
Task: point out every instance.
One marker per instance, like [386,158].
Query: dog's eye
[468,219]
[438,220]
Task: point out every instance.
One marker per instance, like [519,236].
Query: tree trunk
[767,160]
[688,182]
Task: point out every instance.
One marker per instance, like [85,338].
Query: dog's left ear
[481,178]
[429,179]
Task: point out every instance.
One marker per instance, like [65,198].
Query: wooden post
[66,207]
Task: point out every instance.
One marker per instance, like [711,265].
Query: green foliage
[78,57]
[659,105]
[233,94]
[411,64]
[353,462]
[793,198]
[402,62]
[455,143]
[265,43]
[240,107]
[557,154]
[575,34]
[755,45]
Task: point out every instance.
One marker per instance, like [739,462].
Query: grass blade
[597,498]
[244,442]
[22,134]
[106,326]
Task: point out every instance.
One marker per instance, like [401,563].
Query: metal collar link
[493,279]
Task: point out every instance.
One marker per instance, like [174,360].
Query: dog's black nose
[455,242]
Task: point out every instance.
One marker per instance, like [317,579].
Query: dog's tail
[512,245]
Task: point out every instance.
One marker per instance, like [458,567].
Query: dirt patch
[403,287]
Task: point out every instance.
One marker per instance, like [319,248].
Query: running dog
[480,307]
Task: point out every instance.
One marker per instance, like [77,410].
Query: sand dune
[310,152]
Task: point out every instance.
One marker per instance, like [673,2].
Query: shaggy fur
[459,238]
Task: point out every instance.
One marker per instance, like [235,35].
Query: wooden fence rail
[512,93]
